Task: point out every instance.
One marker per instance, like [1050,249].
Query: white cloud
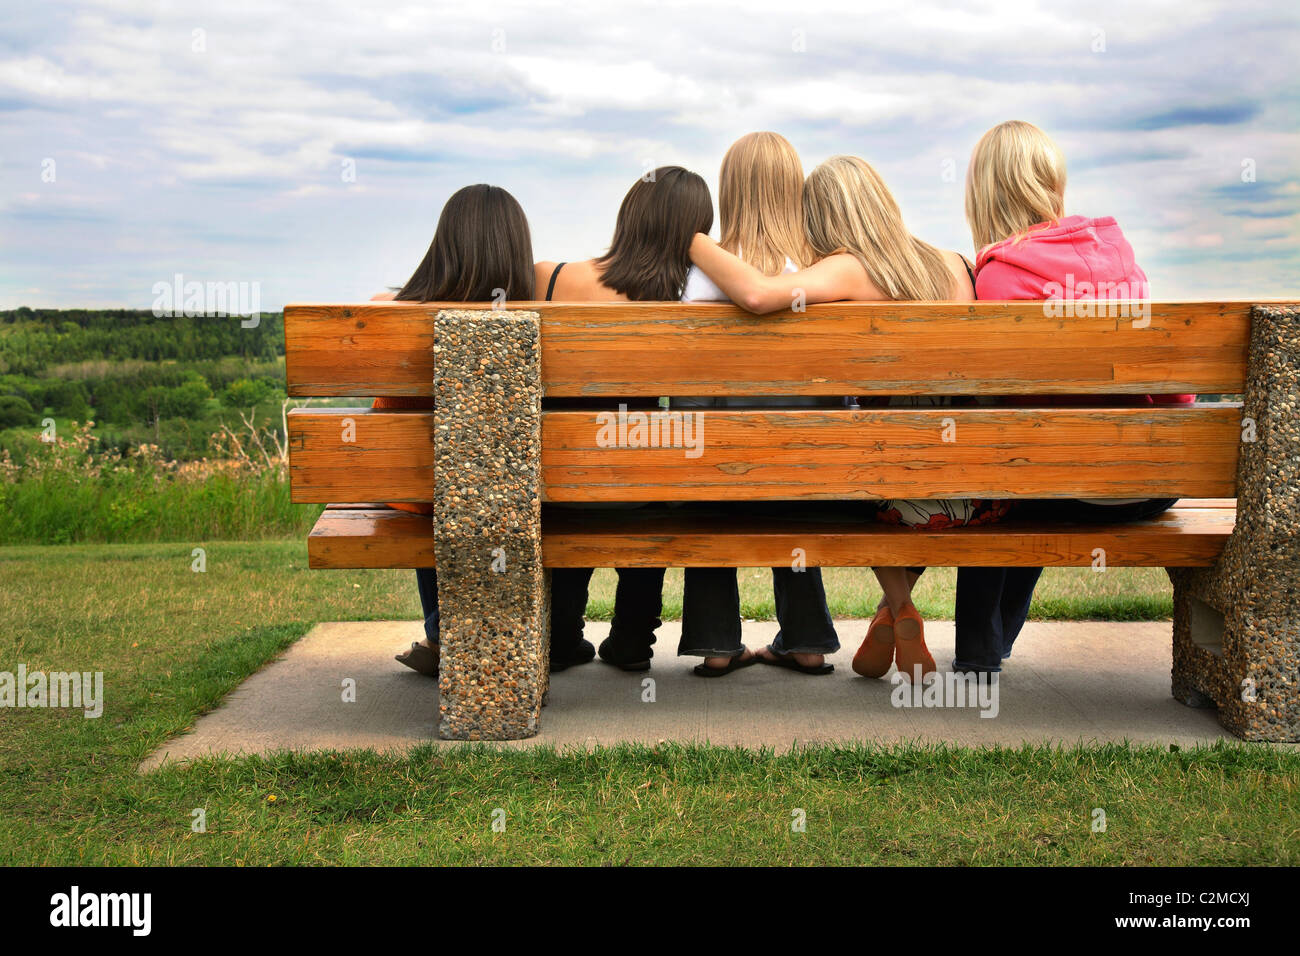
[228,158]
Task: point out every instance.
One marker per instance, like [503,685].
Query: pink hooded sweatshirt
[1074,258]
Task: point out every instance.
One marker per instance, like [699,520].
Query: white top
[700,288]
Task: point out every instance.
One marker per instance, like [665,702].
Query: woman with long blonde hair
[760,190]
[760,206]
[863,251]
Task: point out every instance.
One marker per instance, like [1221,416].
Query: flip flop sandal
[788,661]
[735,664]
[420,658]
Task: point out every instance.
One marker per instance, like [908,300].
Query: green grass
[172,643]
[1063,594]
[141,505]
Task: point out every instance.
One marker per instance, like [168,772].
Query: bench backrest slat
[652,349]
[993,452]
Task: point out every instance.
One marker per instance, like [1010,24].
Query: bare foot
[720,662]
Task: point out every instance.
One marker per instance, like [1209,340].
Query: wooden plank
[655,348]
[389,456]
[902,453]
[809,454]
[370,538]
[1207,503]
[1183,538]
[686,537]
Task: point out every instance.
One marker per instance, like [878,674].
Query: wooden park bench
[509,476]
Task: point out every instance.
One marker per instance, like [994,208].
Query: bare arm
[384,297]
[834,279]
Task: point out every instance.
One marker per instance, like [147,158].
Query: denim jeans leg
[568,606]
[979,619]
[638,602]
[803,619]
[1017,594]
[710,614]
[426,581]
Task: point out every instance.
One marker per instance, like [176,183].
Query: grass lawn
[172,642]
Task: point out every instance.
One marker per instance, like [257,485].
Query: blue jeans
[992,607]
[993,603]
[426,580]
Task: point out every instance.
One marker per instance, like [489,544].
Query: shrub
[246,392]
[16,412]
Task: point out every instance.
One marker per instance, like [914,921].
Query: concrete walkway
[1067,682]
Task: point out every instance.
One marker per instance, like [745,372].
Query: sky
[308,148]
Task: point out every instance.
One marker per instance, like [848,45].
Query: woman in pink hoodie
[1028,249]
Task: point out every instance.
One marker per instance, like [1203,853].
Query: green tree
[15,412]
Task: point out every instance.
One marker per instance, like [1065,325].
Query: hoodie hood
[1073,258]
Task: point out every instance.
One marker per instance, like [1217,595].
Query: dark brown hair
[651,250]
[481,244]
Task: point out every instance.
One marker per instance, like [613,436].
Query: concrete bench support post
[493,593]
[1237,624]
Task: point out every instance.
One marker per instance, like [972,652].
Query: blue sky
[211,139]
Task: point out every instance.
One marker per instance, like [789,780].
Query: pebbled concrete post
[1237,624]
[493,593]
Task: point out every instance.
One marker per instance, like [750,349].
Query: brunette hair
[649,255]
[481,245]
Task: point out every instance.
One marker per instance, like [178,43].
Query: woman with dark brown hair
[481,252]
[650,253]
[647,260]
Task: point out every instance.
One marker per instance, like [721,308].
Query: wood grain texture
[902,453]
[370,538]
[810,454]
[651,349]
[661,537]
[389,459]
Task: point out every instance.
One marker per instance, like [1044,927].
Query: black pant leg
[568,606]
[979,619]
[638,602]
[710,613]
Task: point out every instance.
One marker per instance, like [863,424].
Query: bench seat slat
[1187,536]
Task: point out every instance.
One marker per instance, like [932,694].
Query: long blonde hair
[848,208]
[1016,180]
[759,192]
